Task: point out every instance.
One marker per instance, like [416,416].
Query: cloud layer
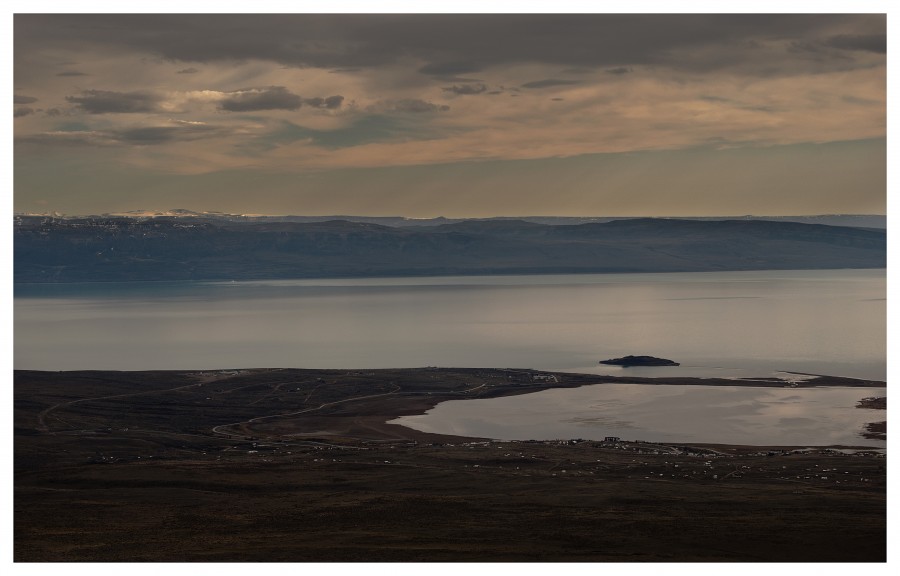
[198,94]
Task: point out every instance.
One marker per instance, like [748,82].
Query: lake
[714,324]
[674,414]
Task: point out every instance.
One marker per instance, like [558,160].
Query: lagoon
[756,416]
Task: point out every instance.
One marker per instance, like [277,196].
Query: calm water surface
[678,414]
[722,324]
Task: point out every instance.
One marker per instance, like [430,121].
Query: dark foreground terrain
[299,465]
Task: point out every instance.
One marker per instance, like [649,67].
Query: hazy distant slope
[116,248]
[854,220]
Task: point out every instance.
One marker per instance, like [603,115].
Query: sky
[456,115]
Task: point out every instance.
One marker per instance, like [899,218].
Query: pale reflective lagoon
[677,414]
[715,324]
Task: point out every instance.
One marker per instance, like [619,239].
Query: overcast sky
[453,115]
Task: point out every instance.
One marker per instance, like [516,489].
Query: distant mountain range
[188,246]
[855,220]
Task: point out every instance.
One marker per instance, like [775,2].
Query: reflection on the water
[724,324]
[703,414]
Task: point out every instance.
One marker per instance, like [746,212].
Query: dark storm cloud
[22,111]
[72,73]
[330,103]
[253,99]
[619,71]
[453,44]
[870,43]
[188,71]
[333,102]
[104,102]
[548,83]
[412,105]
[23,99]
[466,89]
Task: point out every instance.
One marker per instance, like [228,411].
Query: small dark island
[627,361]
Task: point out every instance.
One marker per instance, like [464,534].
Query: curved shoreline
[341,405]
[381,428]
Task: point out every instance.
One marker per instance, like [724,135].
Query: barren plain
[299,465]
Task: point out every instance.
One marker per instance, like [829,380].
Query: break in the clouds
[311,93]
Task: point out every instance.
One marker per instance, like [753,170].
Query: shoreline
[472,274]
[816,379]
[364,413]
